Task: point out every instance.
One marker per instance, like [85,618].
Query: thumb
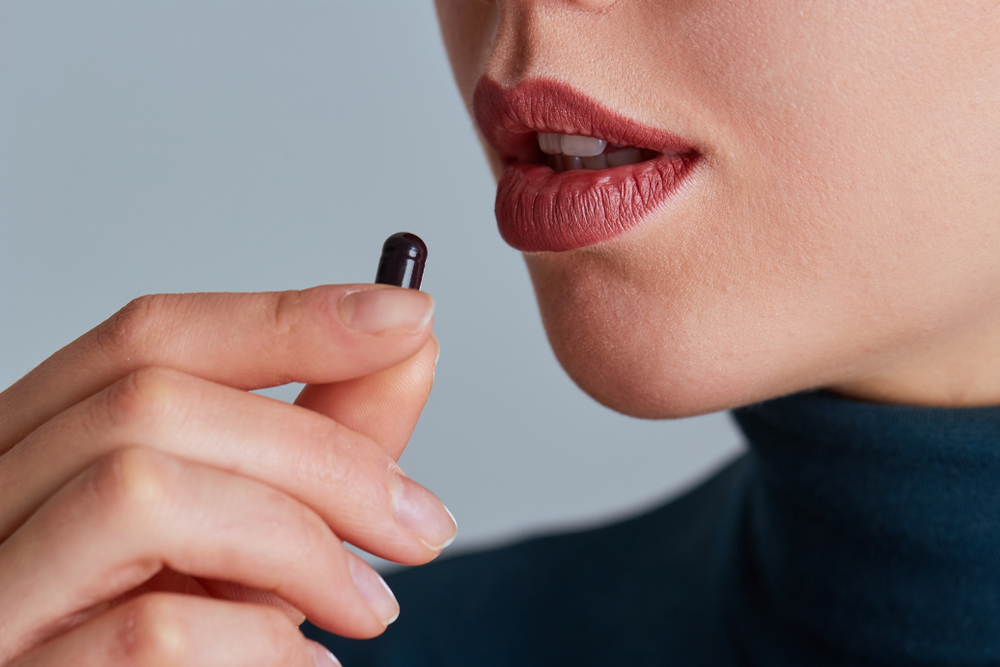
[386,405]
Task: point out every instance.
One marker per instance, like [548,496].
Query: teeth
[549,143]
[570,151]
[624,156]
[581,146]
[570,144]
[595,161]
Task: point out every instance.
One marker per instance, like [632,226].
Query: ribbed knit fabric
[850,534]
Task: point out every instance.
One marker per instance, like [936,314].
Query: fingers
[225,590]
[341,474]
[321,335]
[121,521]
[365,352]
[385,406]
[170,581]
[163,630]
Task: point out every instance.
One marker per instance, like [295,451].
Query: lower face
[836,222]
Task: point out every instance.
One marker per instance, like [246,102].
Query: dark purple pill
[402,261]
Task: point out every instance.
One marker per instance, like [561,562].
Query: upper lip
[510,117]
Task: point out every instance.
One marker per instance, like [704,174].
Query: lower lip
[539,209]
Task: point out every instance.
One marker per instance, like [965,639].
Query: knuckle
[128,332]
[287,318]
[144,396]
[152,632]
[129,485]
[341,466]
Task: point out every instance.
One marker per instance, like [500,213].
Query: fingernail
[422,513]
[375,591]
[321,657]
[381,310]
[437,356]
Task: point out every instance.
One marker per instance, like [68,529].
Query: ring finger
[118,523]
[347,478]
[168,630]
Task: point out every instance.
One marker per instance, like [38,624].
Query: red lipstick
[539,209]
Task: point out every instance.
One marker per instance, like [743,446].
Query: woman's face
[830,210]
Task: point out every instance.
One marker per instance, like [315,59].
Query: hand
[149,502]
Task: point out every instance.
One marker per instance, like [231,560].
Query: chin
[628,383]
[607,340]
[656,349]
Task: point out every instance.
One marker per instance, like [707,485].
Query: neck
[954,369]
[870,532]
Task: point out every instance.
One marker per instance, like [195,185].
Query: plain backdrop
[244,145]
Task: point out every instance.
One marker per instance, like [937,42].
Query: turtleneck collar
[870,534]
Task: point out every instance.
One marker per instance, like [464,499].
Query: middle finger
[344,476]
[119,522]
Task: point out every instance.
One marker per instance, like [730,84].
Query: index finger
[247,341]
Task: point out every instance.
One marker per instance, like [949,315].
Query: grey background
[242,146]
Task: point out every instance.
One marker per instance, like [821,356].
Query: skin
[156,513]
[841,231]
[842,228]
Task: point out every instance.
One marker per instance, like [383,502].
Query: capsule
[402,261]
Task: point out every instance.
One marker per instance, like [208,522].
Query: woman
[804,196]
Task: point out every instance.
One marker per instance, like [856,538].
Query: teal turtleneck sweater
[849,534]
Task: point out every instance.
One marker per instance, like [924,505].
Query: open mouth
[576,173]
[565,152]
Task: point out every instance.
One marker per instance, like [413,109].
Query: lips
[541,209]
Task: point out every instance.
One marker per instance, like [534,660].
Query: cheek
[848,209]
[847,203]
[467,28]
[857,134]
